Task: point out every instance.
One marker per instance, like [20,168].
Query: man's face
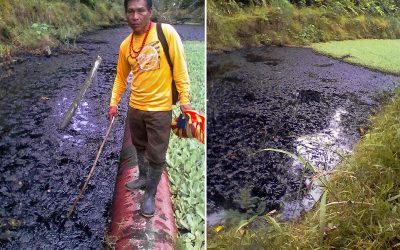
[138,16]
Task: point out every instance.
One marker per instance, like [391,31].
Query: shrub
[41,29]
[90,3]
[309,34]
[284,6]
[5,33]
[72,2]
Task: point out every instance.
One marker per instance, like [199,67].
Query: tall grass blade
[246,222]
[273,222]
[322,214]
[296,157]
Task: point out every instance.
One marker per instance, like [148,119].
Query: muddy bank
[41,167]
[284,98]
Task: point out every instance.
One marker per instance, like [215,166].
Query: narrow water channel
[282,98]
[41,167]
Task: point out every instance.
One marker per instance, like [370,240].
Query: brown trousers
[150,132]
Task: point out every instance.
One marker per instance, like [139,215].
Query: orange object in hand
[189,125]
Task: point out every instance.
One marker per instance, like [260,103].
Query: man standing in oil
[150,101]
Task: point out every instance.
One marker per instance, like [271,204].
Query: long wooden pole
[68,115]
[71,209]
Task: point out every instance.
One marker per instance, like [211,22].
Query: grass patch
[382,55]
[187,162]
[361,209]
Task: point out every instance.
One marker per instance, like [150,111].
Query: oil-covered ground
[41,167]
[282,98]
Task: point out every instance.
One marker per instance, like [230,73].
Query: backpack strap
[165,46]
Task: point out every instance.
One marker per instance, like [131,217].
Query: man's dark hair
[149,4]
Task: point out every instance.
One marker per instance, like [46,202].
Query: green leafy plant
[2,50]
[90,3]
[41,29]
[72,2]
[309,34]
[186,162]
[283,5]
[251,207]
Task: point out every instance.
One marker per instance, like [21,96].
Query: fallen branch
[70,210]
[68,115]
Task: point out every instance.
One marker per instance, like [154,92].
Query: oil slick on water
[323,151]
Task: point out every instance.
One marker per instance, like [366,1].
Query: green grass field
[383,55]
[186,160]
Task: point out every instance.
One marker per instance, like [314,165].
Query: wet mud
[42,168]
[283,98]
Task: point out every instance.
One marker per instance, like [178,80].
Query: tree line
[164,5]
[160,5]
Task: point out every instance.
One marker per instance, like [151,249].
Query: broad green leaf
[200,210]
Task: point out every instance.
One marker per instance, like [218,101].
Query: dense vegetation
[187,163]
[301,22]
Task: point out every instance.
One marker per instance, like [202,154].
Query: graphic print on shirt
[149,57]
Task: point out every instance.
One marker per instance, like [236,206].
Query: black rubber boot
[149,205]
[143,165]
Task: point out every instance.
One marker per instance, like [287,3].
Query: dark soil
[41,167]
[266,98]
